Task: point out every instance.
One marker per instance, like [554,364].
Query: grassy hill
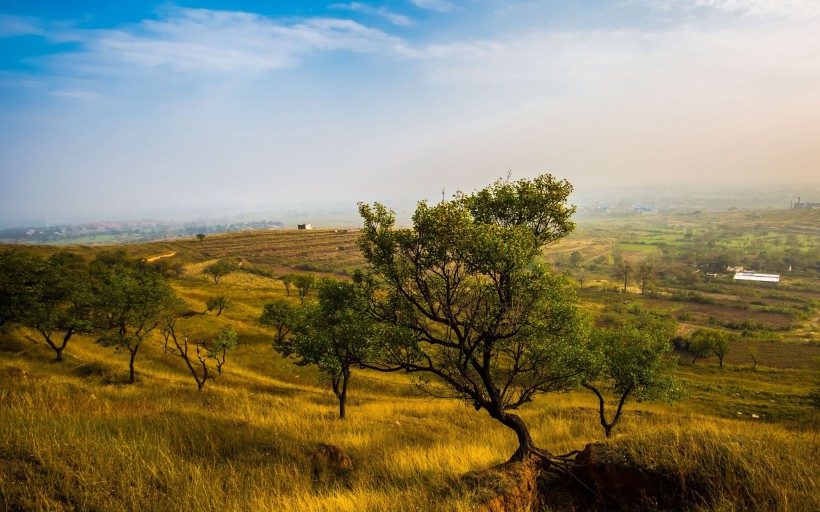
[75,436]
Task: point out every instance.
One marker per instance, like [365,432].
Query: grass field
[74,436]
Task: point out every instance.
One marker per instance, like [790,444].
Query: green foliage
[226,339]
[469,302]
[630,361]
[303,284]
[62,302]
[334,333]
[220,269]
[19,277]
[50,296]
[281,315]
[219,303]
[705,342]
[128,305]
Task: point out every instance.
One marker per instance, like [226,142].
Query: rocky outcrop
[621,484]
[512,486]
[329,463]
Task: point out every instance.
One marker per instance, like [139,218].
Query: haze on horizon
[143,109]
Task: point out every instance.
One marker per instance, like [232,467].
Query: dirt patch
[155,258]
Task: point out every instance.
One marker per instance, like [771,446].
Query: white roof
[754,276]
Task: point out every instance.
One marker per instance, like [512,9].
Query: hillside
[75,436]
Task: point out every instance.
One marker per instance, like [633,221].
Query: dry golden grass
[73,436]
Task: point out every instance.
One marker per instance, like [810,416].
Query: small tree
[128,306]
[196,361]
[287,280]
[335,333]
[219,303]
[623,271]
[200,237]
[303,284]
[709,341]
[644,274]
[220,269]
[281,315]
[630,362]
[699,347]
[753,353]
[225,340]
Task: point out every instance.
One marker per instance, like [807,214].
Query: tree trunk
[340,390]
[525,443]
[131,365]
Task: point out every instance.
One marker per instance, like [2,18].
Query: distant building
[304,226]
[754,276]
[799,206]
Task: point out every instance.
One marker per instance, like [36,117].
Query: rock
[624,485]
[329,463]
[512,486]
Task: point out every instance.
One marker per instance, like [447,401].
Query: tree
[699,347]
[753,353]
[174,309]
[287,280]
[623,271]
[466,300]
[303,284]
[200,237]
[709,341]
[204,349]
[219,303]
[630,362]
[334,333]
[280,315]
[220,269]
[128,306]
[644,274]
[226,339]
[61,301]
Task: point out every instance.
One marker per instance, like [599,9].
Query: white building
[754,276]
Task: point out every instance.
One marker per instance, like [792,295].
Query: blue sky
[142,109]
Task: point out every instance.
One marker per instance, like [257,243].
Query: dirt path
[155,258]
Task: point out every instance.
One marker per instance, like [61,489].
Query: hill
[74,435]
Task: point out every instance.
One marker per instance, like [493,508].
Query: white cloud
[382,12]
[13,26]
[433,5]
[216,41]
[801,9]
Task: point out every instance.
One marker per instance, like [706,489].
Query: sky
[141,109]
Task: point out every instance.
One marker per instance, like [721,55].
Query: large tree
[468,301]
[333,333]
[129,305]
